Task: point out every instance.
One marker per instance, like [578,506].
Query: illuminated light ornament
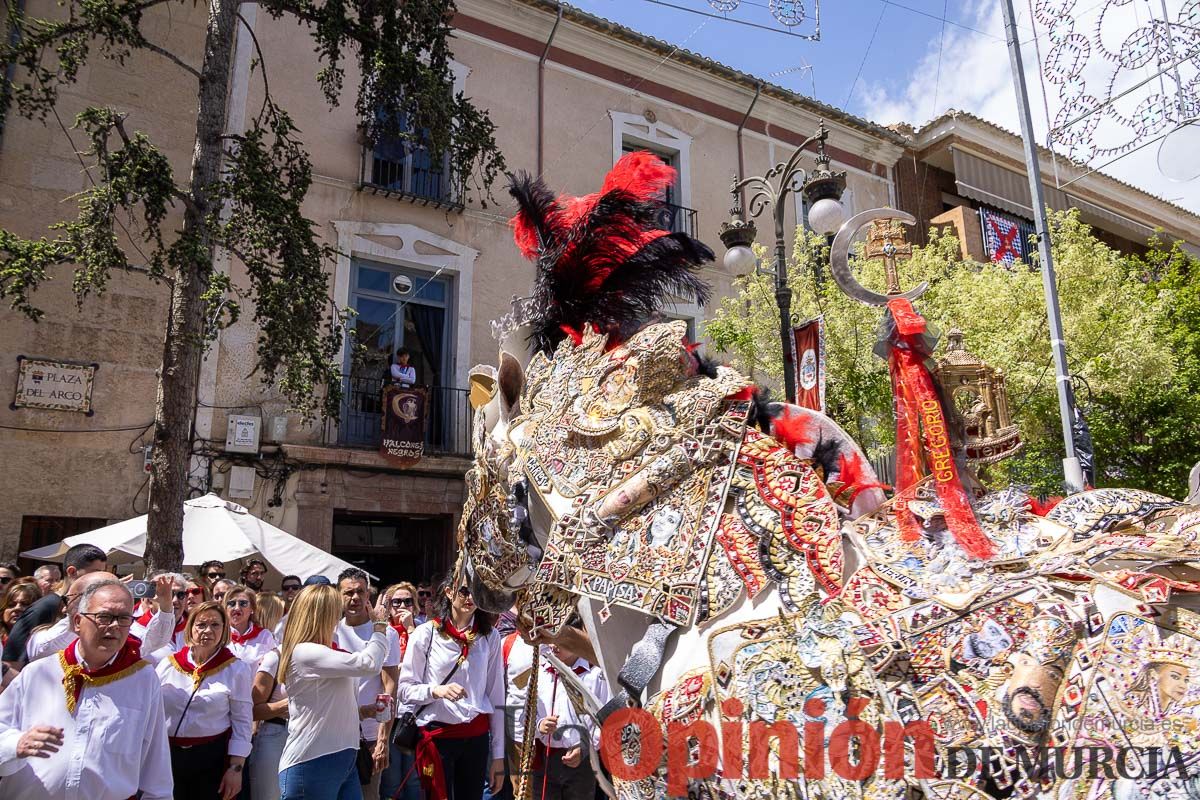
[788,12]
[724,5]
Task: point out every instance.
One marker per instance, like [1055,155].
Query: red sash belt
[429,760]
[192,741]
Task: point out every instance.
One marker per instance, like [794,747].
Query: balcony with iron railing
[395,168]
[447,426]
[677,219]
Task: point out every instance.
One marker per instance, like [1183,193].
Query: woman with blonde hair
[248,640]
[318,761]
[206,697]
[268,611]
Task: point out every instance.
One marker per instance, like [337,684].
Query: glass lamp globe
[826,216]
[740,259]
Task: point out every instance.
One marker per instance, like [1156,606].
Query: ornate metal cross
[886,240]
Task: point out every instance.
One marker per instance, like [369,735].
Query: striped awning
[996,186]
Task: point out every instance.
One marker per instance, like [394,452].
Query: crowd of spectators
[210,688]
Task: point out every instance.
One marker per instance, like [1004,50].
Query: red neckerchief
[179,625]
[241,638]
[76,675]
[182,661]
[402,632]
[145,618]
[464,638]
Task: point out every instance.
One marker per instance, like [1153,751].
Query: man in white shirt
[107,703]
[154,635]
[404,374]
[47,577]
[352,635]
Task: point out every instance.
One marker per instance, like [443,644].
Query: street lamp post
[822,188]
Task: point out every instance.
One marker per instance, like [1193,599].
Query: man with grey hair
[174,599]
[90,722]
[47,577]
[154,636]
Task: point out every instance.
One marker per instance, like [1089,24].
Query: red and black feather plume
[603,259]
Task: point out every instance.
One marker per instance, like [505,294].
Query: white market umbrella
[213,530]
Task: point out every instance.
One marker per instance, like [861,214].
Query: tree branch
[167,54]
[262,63]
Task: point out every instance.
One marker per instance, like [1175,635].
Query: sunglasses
[195,592]
[179,595]
[237,604]
[293,587]
[400,602]
[5,581]
[423,594]
[464,591]
[216,576]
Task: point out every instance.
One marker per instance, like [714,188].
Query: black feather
[536,206]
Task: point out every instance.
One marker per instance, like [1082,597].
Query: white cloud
[975,77]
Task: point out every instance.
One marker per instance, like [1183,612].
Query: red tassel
[791,429]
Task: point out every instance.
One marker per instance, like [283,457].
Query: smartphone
[141,590]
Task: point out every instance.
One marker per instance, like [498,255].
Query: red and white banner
[808,354]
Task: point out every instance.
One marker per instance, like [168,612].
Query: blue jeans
[329,777]
[262,778]
[400,766]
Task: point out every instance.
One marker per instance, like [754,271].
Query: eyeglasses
[399,602]
[237,603]
[463,591]
[216,576]
[103,620]
[194,592]
[292,587]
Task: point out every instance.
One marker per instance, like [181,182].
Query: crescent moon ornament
[839,257]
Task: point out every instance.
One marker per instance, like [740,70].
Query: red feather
[746,393]
[852,476]
[1042,509]
[791,429]
[574,335]
[642,174]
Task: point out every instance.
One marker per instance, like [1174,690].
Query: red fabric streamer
[427,760]
[920,421]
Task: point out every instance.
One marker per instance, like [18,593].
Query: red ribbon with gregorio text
[921,430]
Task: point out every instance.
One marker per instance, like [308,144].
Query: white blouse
[257,643]
[481,675]
[270,665]
[222,702]
[322,685]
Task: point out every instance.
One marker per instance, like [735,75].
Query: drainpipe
[741,125]
[541,88]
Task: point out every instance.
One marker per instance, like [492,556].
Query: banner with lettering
[404,415]
[808,339]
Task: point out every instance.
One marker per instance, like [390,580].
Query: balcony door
[396,307]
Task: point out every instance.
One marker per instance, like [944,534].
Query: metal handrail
[448,426]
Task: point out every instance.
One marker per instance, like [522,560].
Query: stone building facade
[421,269]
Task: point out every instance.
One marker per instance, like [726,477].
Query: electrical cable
[863,63]
[78,430]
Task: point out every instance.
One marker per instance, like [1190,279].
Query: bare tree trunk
[184,346]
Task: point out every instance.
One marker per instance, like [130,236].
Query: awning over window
[1111,221]
[996,186]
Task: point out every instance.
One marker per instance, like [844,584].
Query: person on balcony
[403,374]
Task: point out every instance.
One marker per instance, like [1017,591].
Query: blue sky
[916,66]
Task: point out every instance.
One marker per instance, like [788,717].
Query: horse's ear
[512,380]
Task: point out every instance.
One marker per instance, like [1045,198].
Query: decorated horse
[741,571]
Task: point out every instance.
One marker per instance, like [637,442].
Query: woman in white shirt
[318,761]
[271,709]
[248,640]
[453,675]
[206,697]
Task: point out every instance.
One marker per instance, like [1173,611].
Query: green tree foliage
[244,192]
[1131,326]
